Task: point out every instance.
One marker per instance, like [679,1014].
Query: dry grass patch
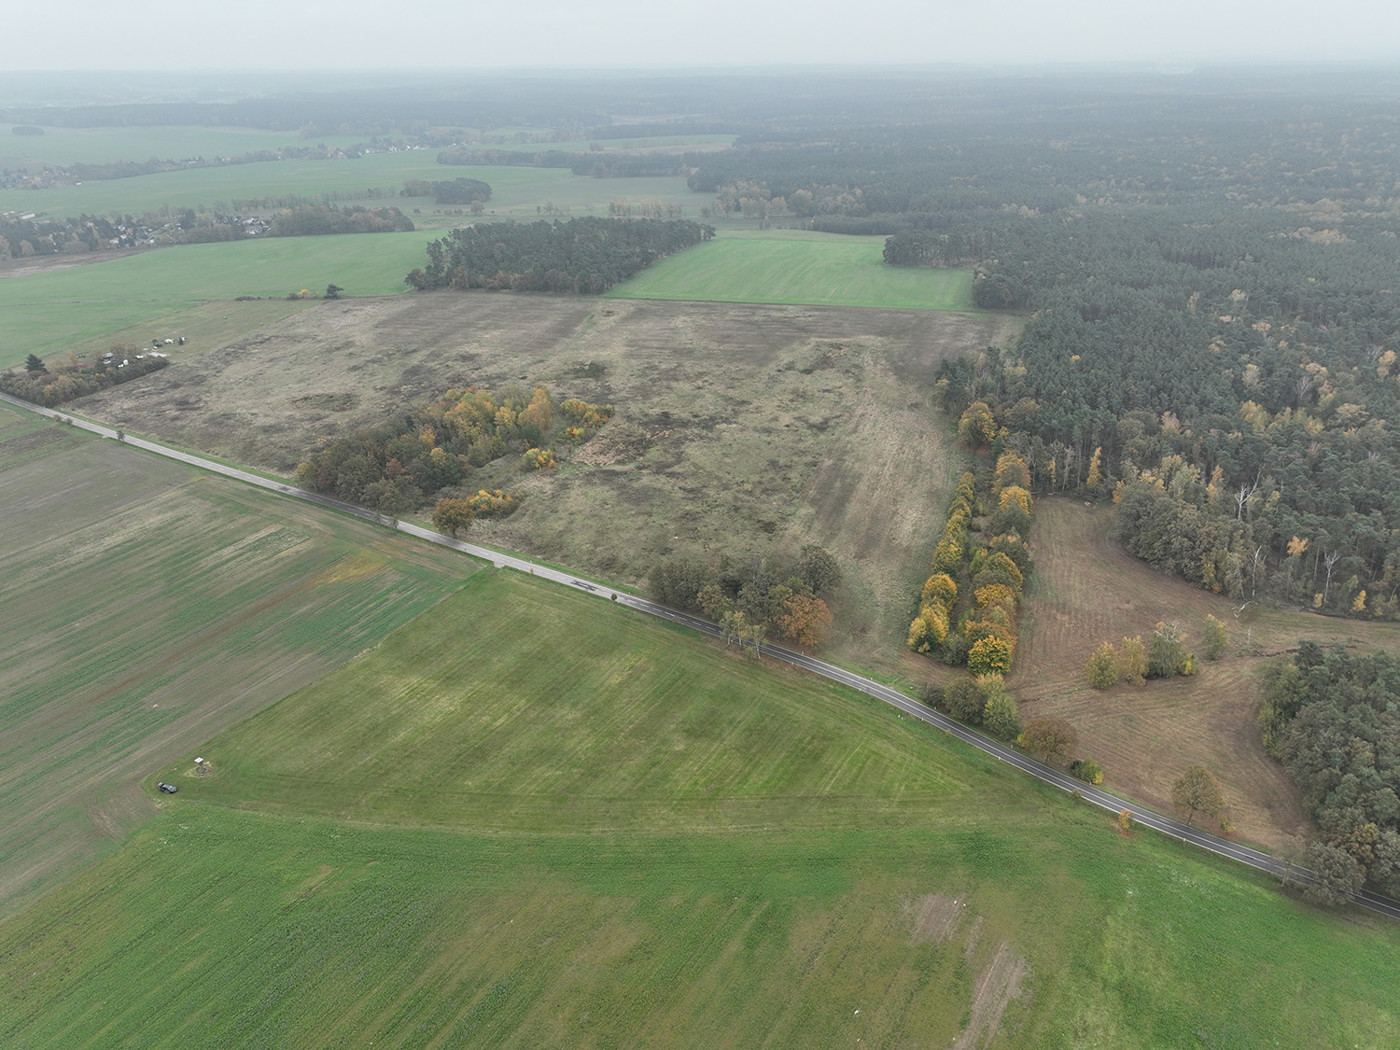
[740,429]
[1087,590]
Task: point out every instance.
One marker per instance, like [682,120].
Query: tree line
[969,607]
[581,256]
[320,219]
[448,191]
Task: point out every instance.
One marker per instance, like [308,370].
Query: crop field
[764,860]
[1085,591]
[746,430]
[145,607]
[792,266]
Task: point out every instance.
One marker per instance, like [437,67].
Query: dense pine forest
[587,255]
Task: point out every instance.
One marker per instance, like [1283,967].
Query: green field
[145,606]
[375,179]
[64,146]
[140,297]
[660,844]
[791,266]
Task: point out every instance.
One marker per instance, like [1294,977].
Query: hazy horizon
[154,35]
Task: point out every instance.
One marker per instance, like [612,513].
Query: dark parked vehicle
[169,789]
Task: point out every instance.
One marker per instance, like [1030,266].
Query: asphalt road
[1098,797]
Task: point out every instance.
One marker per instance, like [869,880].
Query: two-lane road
[1195,836]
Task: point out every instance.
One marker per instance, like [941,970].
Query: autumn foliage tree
[452,516]
[1102,668]
[1132,660]
[1048,737]
[805,621]
[1197,791]
[977,427]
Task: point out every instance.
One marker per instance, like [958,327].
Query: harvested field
[1087,590]
[739,429]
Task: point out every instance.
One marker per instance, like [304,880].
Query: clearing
[739,429]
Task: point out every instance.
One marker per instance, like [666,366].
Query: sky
[471,34]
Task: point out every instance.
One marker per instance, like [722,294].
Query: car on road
[169,789]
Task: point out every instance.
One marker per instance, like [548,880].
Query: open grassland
[740,430]
[517,192]
[144,607]
[991,912]
[1085,591]
[791,266]
[63,146]
[87,308]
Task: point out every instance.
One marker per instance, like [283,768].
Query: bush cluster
[413,457]
[54,385]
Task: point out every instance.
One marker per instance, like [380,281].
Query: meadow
[84,309]
[146,606]
[1087,590]
[795,266]
[59,147]
[490,852]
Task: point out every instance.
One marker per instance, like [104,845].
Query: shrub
[1089,771]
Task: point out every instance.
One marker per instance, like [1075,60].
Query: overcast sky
[472,34]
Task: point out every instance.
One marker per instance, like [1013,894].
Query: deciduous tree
[989,655]
[977,427]
[1167,654]
[1197,791]
[1132,660]
[1001,717]
[1102,668]
[451,516]
[1048,737]
[964,701]
[805,621]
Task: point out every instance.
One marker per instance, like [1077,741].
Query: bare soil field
[1087,590]
[740,429]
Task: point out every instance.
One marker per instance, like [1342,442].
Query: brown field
[739,429]
[1087,590]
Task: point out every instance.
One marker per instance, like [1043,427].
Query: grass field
[792,266]
[1086,590]
[765,860]
[64,146]
[86,308]
[742,429]
[375,179]
[145,606]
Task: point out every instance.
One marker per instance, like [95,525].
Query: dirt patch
[997,985]
[47,263]
[934,917]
